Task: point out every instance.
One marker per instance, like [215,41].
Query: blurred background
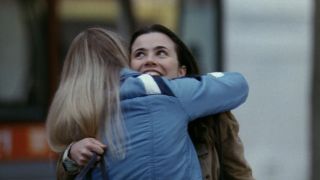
[273,43]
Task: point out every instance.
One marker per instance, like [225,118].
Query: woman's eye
[138,54]
[162,53]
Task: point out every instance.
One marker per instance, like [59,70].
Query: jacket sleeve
[210,94]
[61,173]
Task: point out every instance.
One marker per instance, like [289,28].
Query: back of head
[94,46]
[88,93]
[185,56]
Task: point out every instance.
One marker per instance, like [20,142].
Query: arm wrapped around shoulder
[210,94]
[234,83]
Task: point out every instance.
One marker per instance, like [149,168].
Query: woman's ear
[182,71]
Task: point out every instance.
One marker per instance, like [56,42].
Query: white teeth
[152,73]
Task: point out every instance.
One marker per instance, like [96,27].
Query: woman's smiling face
[155,54]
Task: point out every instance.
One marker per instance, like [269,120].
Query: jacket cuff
[69,165]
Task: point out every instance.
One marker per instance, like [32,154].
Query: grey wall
[269,41]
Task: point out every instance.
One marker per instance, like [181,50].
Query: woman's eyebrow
[145,49]
[160,47]
[139,49]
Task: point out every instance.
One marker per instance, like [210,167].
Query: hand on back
[81,151]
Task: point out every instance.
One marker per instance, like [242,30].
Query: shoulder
[138,85]
[155,85]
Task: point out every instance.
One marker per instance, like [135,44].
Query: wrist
[69,164]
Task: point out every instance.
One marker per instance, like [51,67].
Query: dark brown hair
[185,56]
[199,130]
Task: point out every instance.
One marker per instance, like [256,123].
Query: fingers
[81,151]
[84,157]
[97,146]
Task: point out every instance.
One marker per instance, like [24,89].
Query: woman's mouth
[152,73]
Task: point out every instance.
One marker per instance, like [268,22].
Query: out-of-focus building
[269,41]
[34,37]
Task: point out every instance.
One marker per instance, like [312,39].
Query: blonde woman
[142,122]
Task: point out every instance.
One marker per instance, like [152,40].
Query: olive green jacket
[223,159]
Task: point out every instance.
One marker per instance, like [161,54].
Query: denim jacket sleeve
[210,94]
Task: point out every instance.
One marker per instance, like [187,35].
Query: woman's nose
[150,61]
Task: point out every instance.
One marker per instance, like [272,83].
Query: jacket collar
[126,72]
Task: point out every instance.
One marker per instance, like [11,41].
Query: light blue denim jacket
[158,145]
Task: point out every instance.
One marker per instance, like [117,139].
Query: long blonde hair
[88,98]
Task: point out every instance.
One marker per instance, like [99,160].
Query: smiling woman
[142,143]
[156,50]
[154,53]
